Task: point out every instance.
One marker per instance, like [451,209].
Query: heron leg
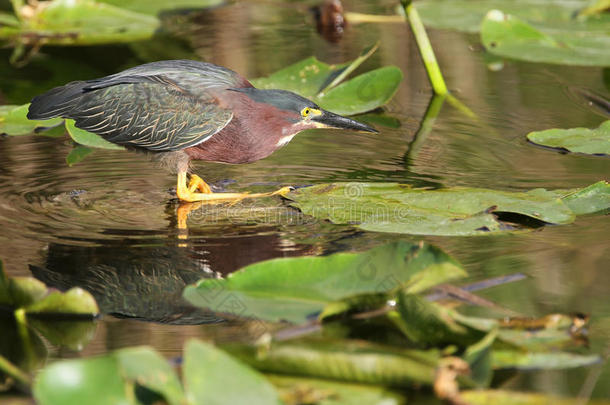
[185,193]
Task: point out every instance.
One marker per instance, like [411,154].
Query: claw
[197,183]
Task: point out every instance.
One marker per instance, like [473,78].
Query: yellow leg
[197,183]
[185,193]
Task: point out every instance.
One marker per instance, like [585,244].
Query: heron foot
[188,192]
[197,183]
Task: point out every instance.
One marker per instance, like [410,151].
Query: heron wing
[155,114]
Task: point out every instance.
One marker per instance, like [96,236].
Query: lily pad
[509,36]
[595,198]
[87,138]
[582,140]
[391,207]
[125,372]
[207,370]
[310,77]
[78,381]
[33,297]
[466,15]
[14,121]
[83,22]
[294,289]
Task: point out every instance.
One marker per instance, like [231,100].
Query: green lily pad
[595,198]
[116,377]
[34,298]
[466,15]
[83,22]
[18,292]
[207,370]
[78,381]
[391,207]
[582,140]
[294,289]
[74,301]
[87,138]
[156,7]
[14,121]
[509,36]
[363,93]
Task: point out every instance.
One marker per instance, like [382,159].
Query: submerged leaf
[294,289]
[14,121]
[509,36]
[397,208]
[581,140]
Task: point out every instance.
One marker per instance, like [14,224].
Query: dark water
[108,223]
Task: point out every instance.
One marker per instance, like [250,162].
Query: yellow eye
[306,111]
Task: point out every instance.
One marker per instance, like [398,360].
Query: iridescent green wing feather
[154,115]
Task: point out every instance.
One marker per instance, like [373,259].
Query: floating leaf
[358,95]
[78,381]
[74,301]
[294,289]
[509,36]
[363,93]
[155,7]
[149,369]
[466,15]
[14,121]
[391,207]
[83,22]
[207,370]
[344,360]
[509,359]
[581,140]
[18,292]
[595,198]
[87,138]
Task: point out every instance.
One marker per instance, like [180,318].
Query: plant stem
[14,371]
[425,48]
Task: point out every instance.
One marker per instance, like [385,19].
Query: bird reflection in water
[144,279]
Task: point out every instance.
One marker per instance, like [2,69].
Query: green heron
[192,110]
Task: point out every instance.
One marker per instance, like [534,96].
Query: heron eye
[306,112]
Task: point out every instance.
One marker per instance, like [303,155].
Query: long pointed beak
[332,120]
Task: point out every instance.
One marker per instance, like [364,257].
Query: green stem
[425,48]
[13,371]
[427,122]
